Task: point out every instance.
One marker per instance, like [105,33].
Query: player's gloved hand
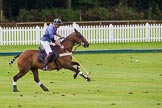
[62,46]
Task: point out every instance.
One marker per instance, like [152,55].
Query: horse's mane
[67,38]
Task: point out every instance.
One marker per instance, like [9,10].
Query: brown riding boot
[46,61]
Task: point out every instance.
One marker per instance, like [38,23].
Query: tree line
[80,10]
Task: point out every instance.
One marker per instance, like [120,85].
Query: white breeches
[46,46]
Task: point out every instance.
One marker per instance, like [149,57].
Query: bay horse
[28,60]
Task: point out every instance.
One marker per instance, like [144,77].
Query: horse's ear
[75,30]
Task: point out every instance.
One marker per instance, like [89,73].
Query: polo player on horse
[49,38]
[29,59]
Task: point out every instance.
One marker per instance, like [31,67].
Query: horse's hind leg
[16,77]
[36,78]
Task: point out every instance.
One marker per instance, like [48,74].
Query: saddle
[42,54]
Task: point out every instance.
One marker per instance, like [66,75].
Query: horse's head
[80,39]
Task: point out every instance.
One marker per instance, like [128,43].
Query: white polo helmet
[57,21]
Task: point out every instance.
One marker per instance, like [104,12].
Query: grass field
[12,48]
[120,81]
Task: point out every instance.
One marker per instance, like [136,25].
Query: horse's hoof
[75,76]
[44,88]
[89,79]
[16,91]
[15,88]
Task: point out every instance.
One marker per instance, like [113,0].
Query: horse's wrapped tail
[12,61]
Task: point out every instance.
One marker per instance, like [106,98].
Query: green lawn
[91,47]
[120,81]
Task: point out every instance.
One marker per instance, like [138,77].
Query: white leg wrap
[80,73]
[14,83]
[78,67]
[39,83]
[83,75]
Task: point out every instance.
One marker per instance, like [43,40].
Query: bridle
[76,43]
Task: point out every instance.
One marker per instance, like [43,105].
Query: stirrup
[45,68]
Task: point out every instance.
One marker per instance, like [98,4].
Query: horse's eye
[79,35]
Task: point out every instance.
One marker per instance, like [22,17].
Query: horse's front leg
[78,68]
[70,67]
[36,79]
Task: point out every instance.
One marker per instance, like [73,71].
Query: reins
[76,47]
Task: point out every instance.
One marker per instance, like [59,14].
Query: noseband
[82,43]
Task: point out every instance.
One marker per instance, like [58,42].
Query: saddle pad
[42,54]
